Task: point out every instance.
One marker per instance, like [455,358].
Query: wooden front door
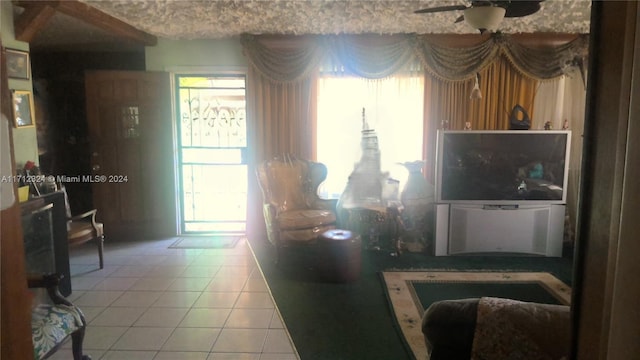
[132,157]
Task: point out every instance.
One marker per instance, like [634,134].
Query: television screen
[502,167]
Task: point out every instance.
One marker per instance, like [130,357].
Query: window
[392,106]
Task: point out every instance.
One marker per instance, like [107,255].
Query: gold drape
[502,87]
[282,116]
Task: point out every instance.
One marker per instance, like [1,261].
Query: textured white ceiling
[200,19]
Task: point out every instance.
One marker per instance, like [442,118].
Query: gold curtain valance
[539,57]
[454,63]
[369,56]
[293,58]
[286,59]
[547,62]
[283,59]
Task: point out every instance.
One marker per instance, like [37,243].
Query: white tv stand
[525,229]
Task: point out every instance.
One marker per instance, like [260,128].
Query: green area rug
[335,321]
[206,242]
[410,293]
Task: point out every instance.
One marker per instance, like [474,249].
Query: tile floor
[153,302]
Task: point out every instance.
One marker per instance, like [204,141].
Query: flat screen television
[502,167]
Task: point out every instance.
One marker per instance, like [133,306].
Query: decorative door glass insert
[130,119]
[212,135]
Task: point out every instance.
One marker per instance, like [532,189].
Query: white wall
[195,55]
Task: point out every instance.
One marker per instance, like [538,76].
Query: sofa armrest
[448,327]
[493,328]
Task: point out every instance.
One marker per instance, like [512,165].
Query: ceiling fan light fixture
[484,17]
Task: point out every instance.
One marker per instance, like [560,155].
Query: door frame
[174,72]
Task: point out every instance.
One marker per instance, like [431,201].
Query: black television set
[502,167]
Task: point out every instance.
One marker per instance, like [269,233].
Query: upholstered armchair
[294,214]
[54,319]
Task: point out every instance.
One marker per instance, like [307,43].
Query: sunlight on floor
[153,302]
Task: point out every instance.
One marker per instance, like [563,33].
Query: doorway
[212,153]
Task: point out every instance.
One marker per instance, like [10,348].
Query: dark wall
[59,95]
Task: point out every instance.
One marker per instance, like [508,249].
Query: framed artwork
[18,65]
[23,108]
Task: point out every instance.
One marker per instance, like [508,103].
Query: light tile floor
[153,302]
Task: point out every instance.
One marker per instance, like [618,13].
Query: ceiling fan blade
[459,19]
[522,8]
[440,9]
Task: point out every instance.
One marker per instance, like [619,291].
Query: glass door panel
[212,138]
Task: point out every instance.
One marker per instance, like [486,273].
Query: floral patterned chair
[54,319]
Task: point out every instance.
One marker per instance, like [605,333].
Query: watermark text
[91,178]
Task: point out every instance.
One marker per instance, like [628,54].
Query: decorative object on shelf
[23,108]
[519,119]
[23,193]
[30,177]
[475,93]
[565,125]
[467,125]
[444,125]
[548,125]
[18,64]
[36,183]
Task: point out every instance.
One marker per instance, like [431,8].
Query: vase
[417,199]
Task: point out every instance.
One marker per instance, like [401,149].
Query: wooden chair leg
[100,241]
[76,345]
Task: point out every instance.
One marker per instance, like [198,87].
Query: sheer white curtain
[556,101]
[393,107]
[549,104]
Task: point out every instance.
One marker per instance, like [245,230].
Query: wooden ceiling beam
[32,20]
[90,15]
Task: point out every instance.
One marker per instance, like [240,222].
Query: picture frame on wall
[23,108]
[18,64]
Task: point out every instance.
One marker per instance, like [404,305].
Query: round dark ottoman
[339,255]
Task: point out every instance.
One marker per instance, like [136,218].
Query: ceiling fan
[486,15]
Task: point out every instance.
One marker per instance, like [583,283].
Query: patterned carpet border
[408,311]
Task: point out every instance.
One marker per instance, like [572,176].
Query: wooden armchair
[54,319]
[83,228]
[294,214]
